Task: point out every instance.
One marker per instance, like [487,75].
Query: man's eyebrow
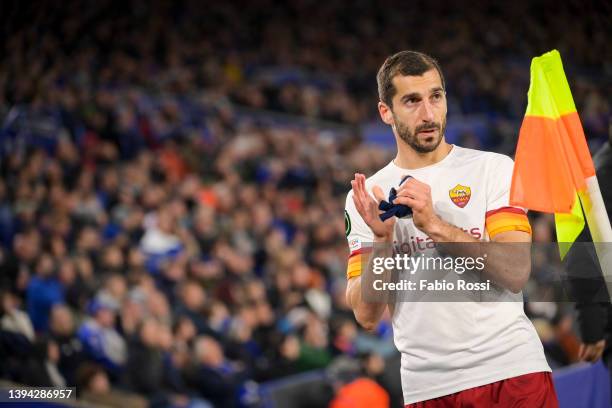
[418,95]
[410,96]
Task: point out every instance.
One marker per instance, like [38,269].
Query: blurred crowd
[302,56]
[173,285]
[156,242]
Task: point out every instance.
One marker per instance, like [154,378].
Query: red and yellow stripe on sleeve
[506,219]
[355,262]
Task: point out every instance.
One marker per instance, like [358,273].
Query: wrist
[434,227]
[384,239]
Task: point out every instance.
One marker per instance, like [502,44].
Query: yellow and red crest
[460,195]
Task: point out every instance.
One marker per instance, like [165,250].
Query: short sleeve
[358,235]
[501,216]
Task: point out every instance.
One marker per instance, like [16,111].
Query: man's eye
[436,96]
[411,101]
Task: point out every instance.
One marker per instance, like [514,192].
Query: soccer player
[469,354]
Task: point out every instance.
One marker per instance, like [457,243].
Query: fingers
[410,202]
[598,354]
[415,189]
[357,188]
[591,352]
[416,185]
[360,192]
[412,193]
[378,193]
[581,352]
[588,354]
[361,198]
[363,194]
[356,198]
[411,188]
[360,178]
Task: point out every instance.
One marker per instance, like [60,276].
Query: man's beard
[411,138]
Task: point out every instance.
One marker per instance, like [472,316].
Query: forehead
[422,84]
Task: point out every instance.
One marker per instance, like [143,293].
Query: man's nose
[427,113]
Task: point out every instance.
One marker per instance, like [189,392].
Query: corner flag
[553,169]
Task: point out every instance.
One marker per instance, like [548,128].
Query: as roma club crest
[460,195]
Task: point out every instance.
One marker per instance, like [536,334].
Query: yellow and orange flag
[553,169]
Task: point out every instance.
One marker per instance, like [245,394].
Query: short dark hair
[407,63]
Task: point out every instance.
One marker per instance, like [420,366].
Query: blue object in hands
[390,209]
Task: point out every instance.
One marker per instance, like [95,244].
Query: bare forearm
[508,264]
[369,305]
[366,314]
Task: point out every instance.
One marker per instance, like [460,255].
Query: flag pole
[600,228]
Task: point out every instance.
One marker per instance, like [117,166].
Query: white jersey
[448,347]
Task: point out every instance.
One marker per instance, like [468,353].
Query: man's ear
[385,113]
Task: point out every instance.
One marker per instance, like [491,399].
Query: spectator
[101,341]
[240,345]
[373,366]
[12,318]
[40,369]
[44,290]
[191,304]
[176,368]
[314,351]
[353,390]
[72,283]
[283,362]
[19,264]
[115,287]
[145,366]
[63,332]
[184,331]
[362,392]
[16,338]
[160,244]
[213,375]
[345,334]
[93,386]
